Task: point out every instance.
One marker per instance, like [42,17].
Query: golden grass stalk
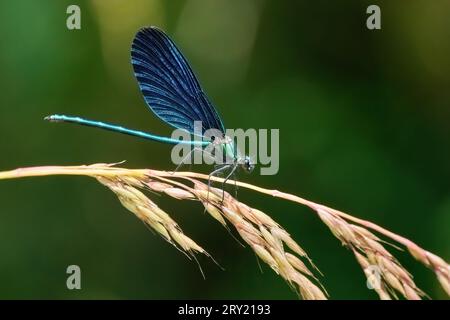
[270,242]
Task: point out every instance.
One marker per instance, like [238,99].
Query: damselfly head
[248,165]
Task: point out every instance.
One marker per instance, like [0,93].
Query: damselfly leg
[200,149]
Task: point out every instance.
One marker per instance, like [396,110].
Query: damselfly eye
[248,165]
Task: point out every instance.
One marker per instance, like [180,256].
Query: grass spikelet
[149,213]
[269,241]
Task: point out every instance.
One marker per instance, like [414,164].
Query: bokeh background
[364,119]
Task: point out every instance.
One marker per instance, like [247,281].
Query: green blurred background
[364,119]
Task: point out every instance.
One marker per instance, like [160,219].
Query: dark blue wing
[168,84]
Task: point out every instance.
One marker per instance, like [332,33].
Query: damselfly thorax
[231,155]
